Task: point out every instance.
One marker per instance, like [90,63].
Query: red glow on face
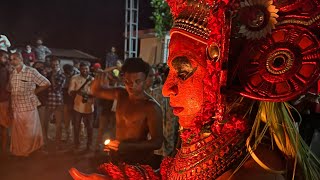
[184,84]
[134,82]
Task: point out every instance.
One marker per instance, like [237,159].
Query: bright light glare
[107,141]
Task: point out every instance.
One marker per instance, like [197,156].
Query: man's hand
[73,94]
[41,88]
[113,145]
[77,175]
[100,80]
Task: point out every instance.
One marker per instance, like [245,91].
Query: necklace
[208,158]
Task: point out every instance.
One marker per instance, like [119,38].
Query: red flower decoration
[164,167]
[131,172]
[176,6]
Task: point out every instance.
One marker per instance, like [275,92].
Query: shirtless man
[137,115]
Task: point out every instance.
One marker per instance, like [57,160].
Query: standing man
[137,115]
[29,57]
[41,51]
[5,119]
[83,103]
[111,58]
[25,83]
[69,72]
[55,98]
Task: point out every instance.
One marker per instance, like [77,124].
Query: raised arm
[109,69]
[100,88]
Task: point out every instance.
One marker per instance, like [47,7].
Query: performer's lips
[177,110]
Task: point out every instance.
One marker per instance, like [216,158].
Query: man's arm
[42,82]
[100,88]
[72,85]
[59,83]
[109,69]
[47,51]
[40,88]
[154,120]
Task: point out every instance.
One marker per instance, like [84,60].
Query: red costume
[222,49]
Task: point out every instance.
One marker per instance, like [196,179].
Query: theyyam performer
[234,66]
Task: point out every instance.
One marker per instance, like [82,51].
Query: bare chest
[131,115]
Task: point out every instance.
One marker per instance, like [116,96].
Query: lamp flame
[107,141]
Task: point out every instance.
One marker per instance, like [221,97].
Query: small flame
[107,141]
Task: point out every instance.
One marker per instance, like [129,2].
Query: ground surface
[51,164]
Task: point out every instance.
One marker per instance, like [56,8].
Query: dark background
[89,25]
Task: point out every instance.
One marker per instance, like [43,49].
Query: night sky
[89,25]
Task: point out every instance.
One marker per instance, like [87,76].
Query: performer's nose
[170,88]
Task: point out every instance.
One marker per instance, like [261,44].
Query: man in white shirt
[83,103]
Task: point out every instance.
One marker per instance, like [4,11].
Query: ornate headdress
[262,49]
[282,62]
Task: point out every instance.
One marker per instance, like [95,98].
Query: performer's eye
[185,74]
[183,67]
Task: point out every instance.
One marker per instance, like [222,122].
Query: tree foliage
[161,17]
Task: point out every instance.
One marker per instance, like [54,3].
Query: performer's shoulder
[252,170]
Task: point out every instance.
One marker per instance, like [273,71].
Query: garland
[226,142]
[130,172]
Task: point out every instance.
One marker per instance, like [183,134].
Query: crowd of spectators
[42,93]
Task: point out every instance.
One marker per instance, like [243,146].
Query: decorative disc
[280,67]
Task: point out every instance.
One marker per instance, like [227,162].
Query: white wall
[151,50]
[65,61]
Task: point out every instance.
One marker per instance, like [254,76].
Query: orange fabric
[5,119]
